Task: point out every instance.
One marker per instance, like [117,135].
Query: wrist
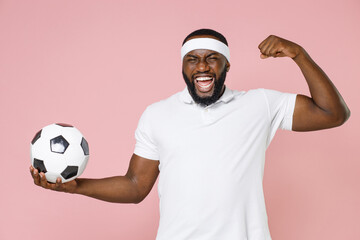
[301,55]
[74,186]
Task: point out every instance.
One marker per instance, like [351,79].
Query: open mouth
[204,84]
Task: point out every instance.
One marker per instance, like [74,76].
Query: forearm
[322,90]
[131,188]
[118,189]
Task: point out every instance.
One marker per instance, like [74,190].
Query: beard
[206,101]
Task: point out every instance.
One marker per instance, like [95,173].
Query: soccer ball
[59,150]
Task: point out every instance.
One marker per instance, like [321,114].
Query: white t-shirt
[212,162]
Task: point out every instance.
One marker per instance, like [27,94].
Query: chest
[208,130]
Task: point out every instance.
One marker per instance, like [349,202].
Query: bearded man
[207,143]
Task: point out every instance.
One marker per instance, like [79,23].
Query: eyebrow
[193,56]
[189,55]
[212,54]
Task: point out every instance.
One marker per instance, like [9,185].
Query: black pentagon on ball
[39,165]
[69,172]
[85,146]
[36,137]
[64,124]
[58,144]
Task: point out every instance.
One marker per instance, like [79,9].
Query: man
[208,144]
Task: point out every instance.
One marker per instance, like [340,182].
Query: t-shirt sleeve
[145,145]
[281,109]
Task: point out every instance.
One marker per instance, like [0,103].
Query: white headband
[205,43]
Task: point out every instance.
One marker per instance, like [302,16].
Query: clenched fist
[274,46]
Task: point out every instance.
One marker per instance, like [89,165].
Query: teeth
[206,85]
[203,78]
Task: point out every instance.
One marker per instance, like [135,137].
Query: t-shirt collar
[226,97]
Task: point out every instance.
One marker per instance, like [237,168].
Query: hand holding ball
[59,150]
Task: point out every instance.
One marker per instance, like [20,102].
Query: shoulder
[258,94]
[250,92]
[157,109]
[274,96]
[269,94]
[262,96]
[261,92]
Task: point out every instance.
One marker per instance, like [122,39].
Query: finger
[58,184]
[31,168]
[263,49]
[43,181]
[269,48]
[35,175]
[263,56]
[263,42]
[273,52]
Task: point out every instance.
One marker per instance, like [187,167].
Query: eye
[212,59]
[191,60]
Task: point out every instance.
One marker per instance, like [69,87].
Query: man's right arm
[131,188]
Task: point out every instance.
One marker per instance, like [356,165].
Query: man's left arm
[326,108]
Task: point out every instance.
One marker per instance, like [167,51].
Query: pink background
[98,64]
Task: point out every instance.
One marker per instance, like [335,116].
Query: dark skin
[324,109]
[131,188]
[206,63]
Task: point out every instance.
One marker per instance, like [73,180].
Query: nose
[202,66]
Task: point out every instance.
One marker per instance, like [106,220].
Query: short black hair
[206,31]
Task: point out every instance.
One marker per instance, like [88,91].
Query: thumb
[262,56]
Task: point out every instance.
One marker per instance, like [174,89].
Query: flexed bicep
[310,117]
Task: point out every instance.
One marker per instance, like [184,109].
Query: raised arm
[131,188]
[325,108]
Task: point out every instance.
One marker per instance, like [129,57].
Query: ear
[227,66]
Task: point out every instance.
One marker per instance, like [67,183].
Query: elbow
[139,199]
[139,196]
[347,114]
[342,116]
